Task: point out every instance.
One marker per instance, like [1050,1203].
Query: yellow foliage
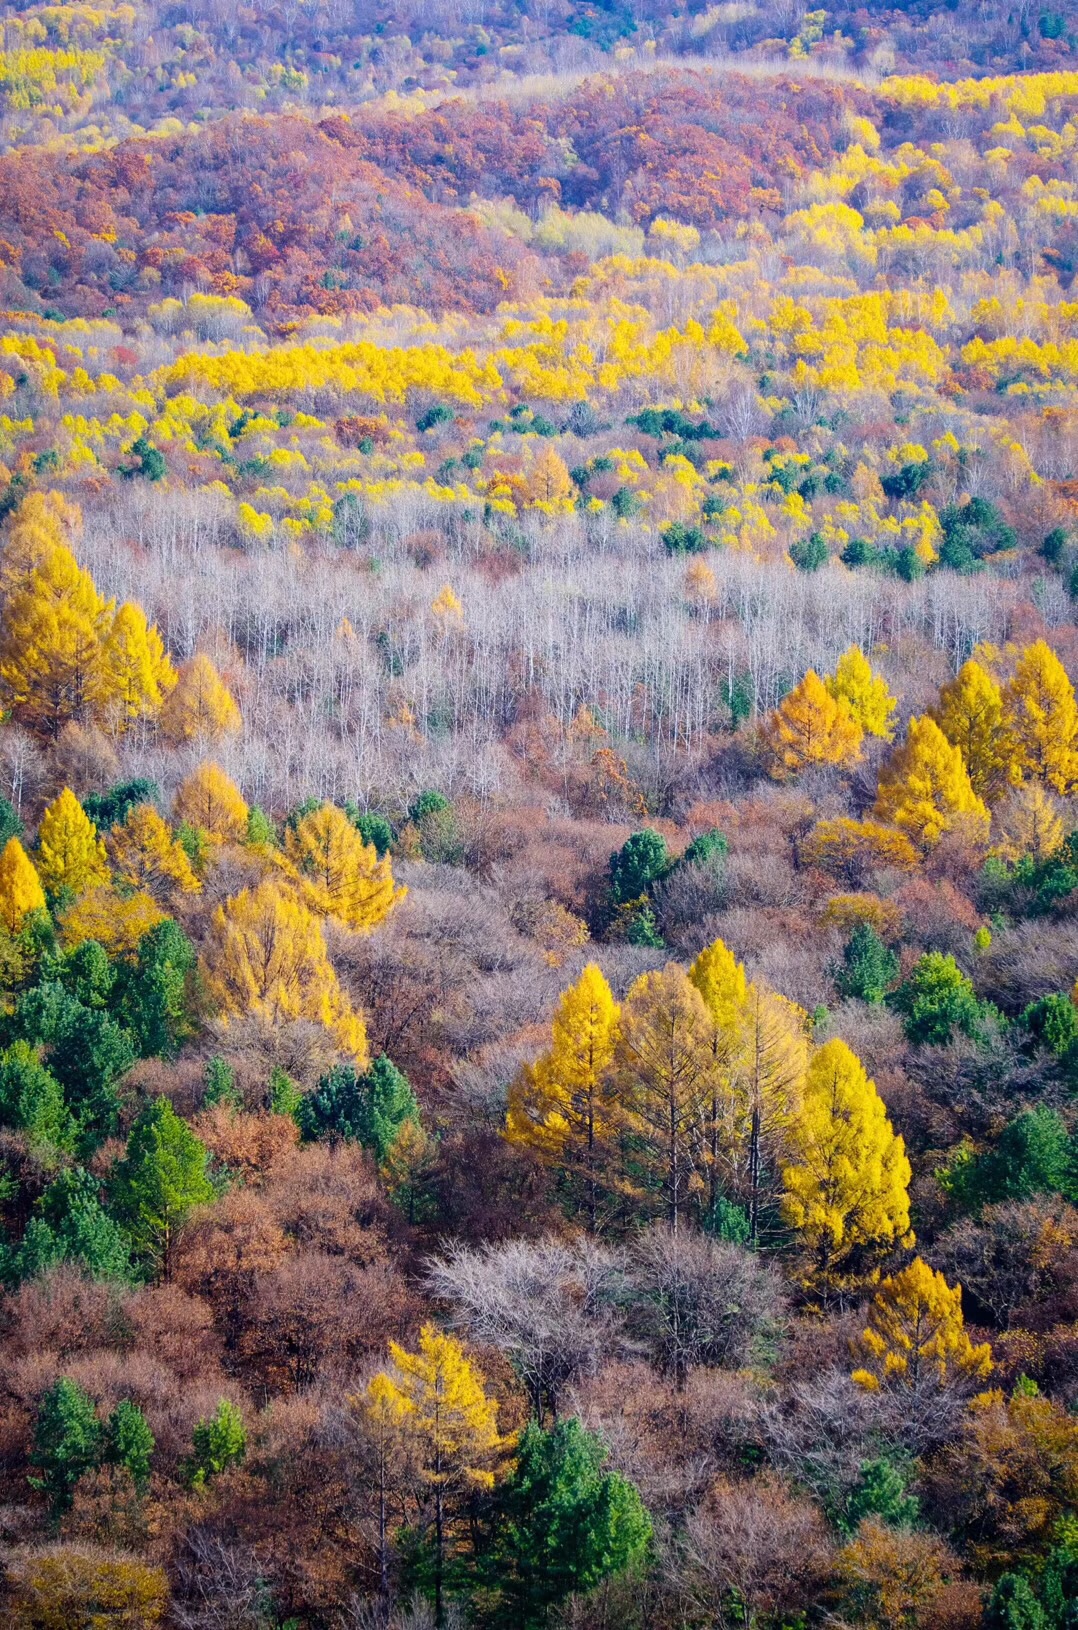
[1041,719]
[201,707]
[925,790]
[347,878]
[845,912]
[210,800]
[970,714]
[116,921]
[916,1335]
[865,693]
[846,847]
[266,955]
[134,675]
[810,728]
[70,853]
[20,886]
[145,855]
[79,1587]
[1028,823]
[54,627]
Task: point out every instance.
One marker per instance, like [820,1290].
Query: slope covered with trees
[538,825]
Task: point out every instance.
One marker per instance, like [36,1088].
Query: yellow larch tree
[145,855]
[548,480]
[54,627]
[134,675]
[447,608]
[211,800]
[663,1067]
[864,692]
[20,887]
[43,522]
[116,921]
[767,1085]
[925,790]
[200,707]
[1028,823]
[1041,719]
[721,981]
[562,1106]
[437,1400]
[916,1335]
[970,714]
[346,878]
[266,955]
[70,854]
[846,1183]
[810,728]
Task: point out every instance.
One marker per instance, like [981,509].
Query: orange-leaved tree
[810,728]
[201,707]
[211,801]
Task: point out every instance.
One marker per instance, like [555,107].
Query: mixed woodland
[538,816]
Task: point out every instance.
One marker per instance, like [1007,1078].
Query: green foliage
[1053,547]
[369,1109]
[625,503]
[1030,887]
[285,1096]
[221,1084]
[111,808]
[72,1226]
[562,1524]
[809,554]
[32,1099]
[260,829]
[641,861]
[868,966]
[68,1440]
[971,532]
[371,828]
[158,995]
[87,974]
[880,1492]
[10,824]
[905,484]
[427,804]
[148,462]
[729,1221]
[710,847]
[858,552]
[217,1443]
[87,1051]
[129,1442]
[161,1177]
[936,1000]
[1034,1154]
[681,539]
[438,414]
[737,693]
[1052,1023]
[1014,1606]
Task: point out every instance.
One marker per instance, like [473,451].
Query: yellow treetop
[134,674]
[54,628]
[865,693]
[970,714]
[70,853]
[1028,823]
[1041,719]
[116,921]
[847,848]
[211,800]
[43,522]
[201,706]
[447,607]
[562,1106]
[437,1398]
[548,480]
[145,855]
[347,879]
[767,1084]
[916,1334]
[925,789]
[721,981]
[266,955]
[20,886]
[809,727]
[847,1181]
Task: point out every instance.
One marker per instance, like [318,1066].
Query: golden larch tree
[1041,720]
[437,1400]
[116,921]
[864,692]
[767,1085]
[20,886]
[70,853]
[211,800]
[916,1334]
[145,855]
[562,1106]
[810,728]
[266,955]
[925,790]
[200,707]
[1028,823]
[134,674]
[846,1184]
[663,1067]
[970,714]
[721,981]
[346,878]
[54,628]
[548,480]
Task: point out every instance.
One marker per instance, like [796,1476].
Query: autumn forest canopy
[538,816]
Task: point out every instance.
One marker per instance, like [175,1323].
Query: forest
[538,815]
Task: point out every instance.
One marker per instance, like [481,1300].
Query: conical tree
[70,853]
[20,886]
[562,1106]
[970,714]
[134,675]
[1041,718]
[847,1181]
[721,981]
[916,1335]
[864,692]
[809,728]
[211,801]
[767,1086]
[348,880]
[201,707]
[145,855]
[54,628]
[161,1178]
[925,790]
